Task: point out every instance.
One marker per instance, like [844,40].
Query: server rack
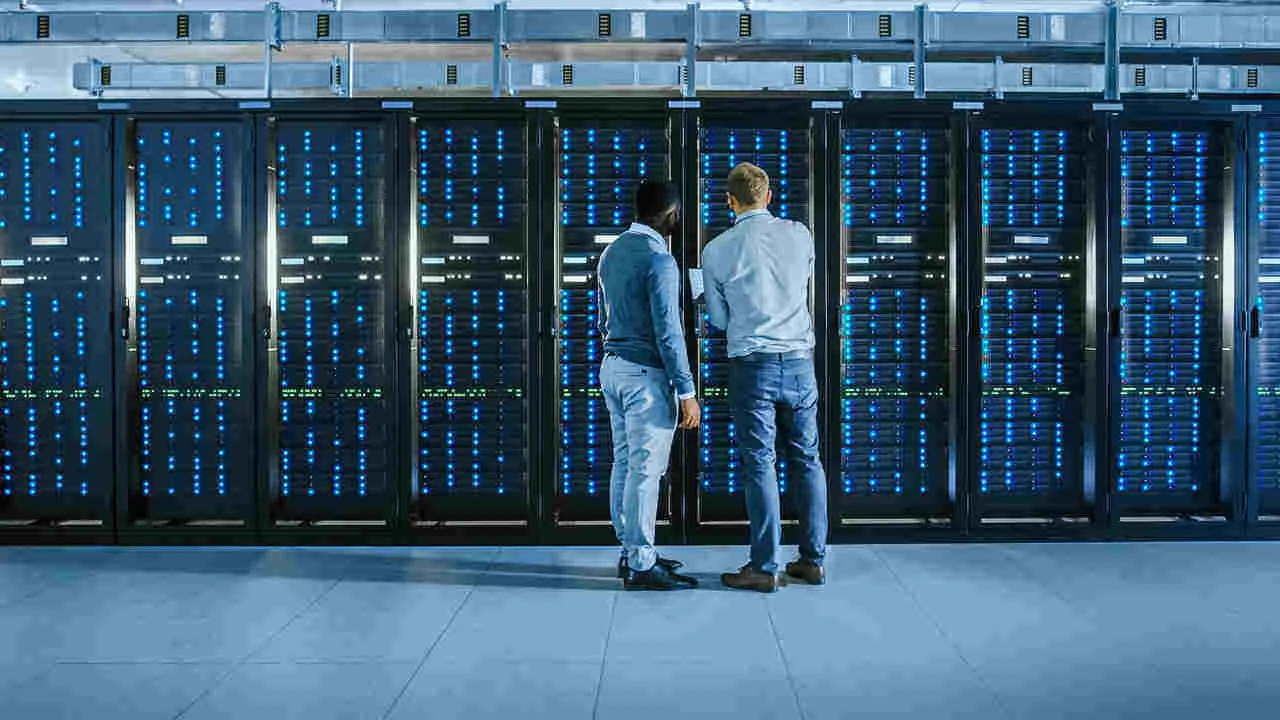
[1172,325]
[1035,187]
[471,277]
[600,160]
[57,352]
[190,341]
[1262,258]
[332,451]
[783,145]
[899,226]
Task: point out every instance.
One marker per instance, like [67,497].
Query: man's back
[757,284]
[627,274]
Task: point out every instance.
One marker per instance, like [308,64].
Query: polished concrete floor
[947,631]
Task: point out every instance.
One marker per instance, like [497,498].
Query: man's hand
[690,414]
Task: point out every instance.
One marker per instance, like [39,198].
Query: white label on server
[1169,240]
[471,240]
[1134,278]
[894,240]
[433,279]
[13,263]
[857,279]
[49,241]
[189,240]
[432,261]
[12,281]
[292,280]
[637,25]
[151,280]
[329,240]
[576,279]
[605,239]
[1030,240]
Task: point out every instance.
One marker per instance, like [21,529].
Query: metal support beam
[689,87]
[995,82]
[855,77]
[921,37]
[1112,52]
[1194,93]
[501,82]
[271,43]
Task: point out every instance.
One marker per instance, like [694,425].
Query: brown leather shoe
[807,571]
[748,578]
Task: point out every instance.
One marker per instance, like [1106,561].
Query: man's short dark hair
[654,199]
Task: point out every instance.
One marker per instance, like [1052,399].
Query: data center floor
[948,631]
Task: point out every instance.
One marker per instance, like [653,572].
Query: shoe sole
[807,581]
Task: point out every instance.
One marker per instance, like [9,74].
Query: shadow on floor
[478,567]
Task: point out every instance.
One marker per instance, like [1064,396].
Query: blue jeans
[769,393]
[642,418]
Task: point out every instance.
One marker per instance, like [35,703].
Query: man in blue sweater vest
[647,384]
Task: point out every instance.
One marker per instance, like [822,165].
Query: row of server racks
[349,322]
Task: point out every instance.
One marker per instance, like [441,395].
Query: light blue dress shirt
[756,277]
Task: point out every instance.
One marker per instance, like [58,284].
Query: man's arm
[664,306]
[717,307]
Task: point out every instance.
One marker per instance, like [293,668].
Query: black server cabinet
[1263,271]
[329,279]
[470,277]
[190,283]
[56,331]
[1166,322]
[1036,222]
[895,390]
[600,160]
[782,147]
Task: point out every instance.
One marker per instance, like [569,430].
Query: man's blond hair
[749,185]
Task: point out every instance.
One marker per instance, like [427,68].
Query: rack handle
[125,316]
[1255,322]
[266,315]
[1113,322]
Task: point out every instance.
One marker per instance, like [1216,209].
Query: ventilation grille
[42,27]
[797,74]
[464,24]
[1251,77]
[911,75]
[684,75]
[335,75]
[1027,76]
[566,74]
[604,25]
[184,27]
[744,25]
[1160,29]
[220,75]
[1024,27]
[104,75]
[885,26]
[322,25]
[1140,76]
[451,75]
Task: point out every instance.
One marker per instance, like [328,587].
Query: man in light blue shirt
[756,279]
[645,377]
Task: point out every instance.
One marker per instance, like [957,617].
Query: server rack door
[1264,351]
[472,354]
[55,321]
[1034,228]
[781,149]
[190,281]
[600,163]
[331,286]
[1172,186]
[894,388]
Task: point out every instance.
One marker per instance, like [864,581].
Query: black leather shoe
[667,563]
[657,578]
[808,571]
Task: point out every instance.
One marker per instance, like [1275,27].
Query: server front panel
[192,260]
[55,321]
[894,388]
[782,151]
[332,370]
[1169,371]
[601,163]
[1031,324]
[1265,349]
[472,355]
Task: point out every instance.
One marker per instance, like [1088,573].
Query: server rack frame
[885,522]
[1062,517]
[814,111]
[672,507]
[100,527]
[133,525]
[1260,517]
[1224,517]
[470,525]
[372,525]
